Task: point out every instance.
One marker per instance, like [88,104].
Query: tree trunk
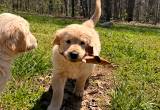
[115,14]
[156,11]
[66,7]
[89,7]
[107,10]
[130,9]
[86,7]
[50,7]
[73,13]
[83,8]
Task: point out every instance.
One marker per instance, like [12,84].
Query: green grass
[135,49]
[137,52]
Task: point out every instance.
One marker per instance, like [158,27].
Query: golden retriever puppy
[71,45]
[15,38]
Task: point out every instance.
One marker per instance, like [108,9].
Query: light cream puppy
[15,38]
[71,45]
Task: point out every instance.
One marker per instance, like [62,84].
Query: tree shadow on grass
[70,101]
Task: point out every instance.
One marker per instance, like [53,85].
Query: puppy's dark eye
[82,43]
[68,41]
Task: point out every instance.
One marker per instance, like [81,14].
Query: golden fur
[74,38]
[15,38]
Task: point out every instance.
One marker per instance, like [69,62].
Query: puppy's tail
[96,16]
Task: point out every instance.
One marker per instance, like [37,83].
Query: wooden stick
[96,60]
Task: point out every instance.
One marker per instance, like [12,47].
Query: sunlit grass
[135,49]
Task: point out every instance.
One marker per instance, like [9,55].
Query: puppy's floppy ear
[16,41]
[56,40]
[10,44]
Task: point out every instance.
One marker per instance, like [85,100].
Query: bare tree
[50,7]
[84,6]
[107,10]
[66,3]
[115,9]
[130,9]
[73,8]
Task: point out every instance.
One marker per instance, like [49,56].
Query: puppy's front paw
[78,93]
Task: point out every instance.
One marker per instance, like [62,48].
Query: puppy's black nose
[73,55]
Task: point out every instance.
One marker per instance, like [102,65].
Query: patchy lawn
[136,81]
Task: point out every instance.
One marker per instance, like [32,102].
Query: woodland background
[144,11]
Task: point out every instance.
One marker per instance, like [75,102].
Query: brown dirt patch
[95,96]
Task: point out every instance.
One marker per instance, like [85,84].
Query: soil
[96,94]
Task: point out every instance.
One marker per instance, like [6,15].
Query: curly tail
[96,16]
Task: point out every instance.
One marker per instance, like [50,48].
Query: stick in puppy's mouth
[90,58]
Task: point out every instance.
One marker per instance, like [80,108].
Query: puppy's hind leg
[58,84]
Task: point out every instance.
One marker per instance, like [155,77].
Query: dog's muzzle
[32,45]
